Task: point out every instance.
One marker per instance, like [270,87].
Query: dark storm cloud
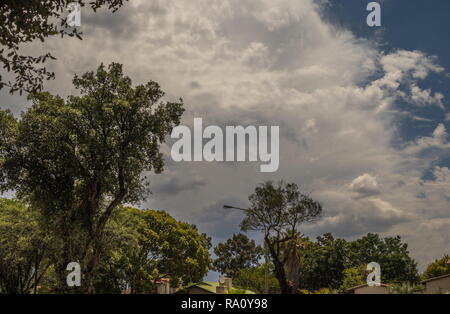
[179,184]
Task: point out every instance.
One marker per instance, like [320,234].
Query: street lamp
[234,207]
[266,257]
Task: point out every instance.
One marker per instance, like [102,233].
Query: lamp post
[266,255]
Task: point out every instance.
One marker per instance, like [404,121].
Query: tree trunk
[281,277]
[292,265]
[280,272]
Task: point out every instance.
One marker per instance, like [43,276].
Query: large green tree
[22,22]
[352,277]
[148,245]
[323,263]
[338,264]
[79,159]
[26,248]
[439,267]
[253,279]
[237,253]
[391,253]
[278,210]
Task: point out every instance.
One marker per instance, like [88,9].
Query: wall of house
[164,288]
[372,290]
[195,290]
[438,286]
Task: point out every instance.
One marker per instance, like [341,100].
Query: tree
[293,251]
[253,279]
[353,277]
[439,267]
[148,245]
[23,22]
[337,264]
[391,253]
[278,210]
[78,160]
[323,263]
[25,248]
[238,252]
[406,288]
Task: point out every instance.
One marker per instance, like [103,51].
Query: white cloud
[424,97]
[365,185]
[415,63]
[438,140]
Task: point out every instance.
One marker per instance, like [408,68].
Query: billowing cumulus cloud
[365,185]
[267,62]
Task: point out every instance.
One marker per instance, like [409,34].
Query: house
[366,289]
[212,287]
[203,287]
[163,286]
[439,284]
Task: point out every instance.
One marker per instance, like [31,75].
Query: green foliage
[406,288]
[23,22]
[392,255]
[147,246]
[237,291]
[353,277]
[439,267]
[323,263]
[78,160]
[320,291]
[338,264]
[237,253]
[253,279]
[335,264]
[25,248]
[278,210]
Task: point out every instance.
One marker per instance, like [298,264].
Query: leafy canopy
[237,253]
[439,267]
[79,159]
[391,253]
[148,245]
[278,210]
[338,264]
[323,263]
[253,279]
[23,22]
[25,248]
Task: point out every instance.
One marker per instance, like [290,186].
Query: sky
[363,112]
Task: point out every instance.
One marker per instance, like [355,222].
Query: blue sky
[411,25]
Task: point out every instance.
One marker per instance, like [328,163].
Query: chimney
[228,283]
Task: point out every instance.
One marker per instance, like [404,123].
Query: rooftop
[436,278]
